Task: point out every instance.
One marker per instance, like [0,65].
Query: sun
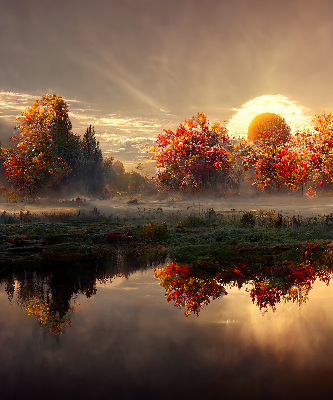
[268,126]
[293,114]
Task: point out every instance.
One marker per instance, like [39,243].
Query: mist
[133,69]
[178,56]
[6,131]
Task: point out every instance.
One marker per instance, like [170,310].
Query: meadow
[188,230]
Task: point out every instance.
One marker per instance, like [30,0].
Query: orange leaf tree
[33,164]
[278,158]
[49,115]
[46,150]
[197,155]
[286,164]
[305,158]
[187,288]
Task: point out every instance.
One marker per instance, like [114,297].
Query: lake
[87,333]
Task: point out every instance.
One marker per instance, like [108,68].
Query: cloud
[13,103]
[127,137]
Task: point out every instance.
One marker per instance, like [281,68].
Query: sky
[132,68]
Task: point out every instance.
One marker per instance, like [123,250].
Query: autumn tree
[292,163]
[3,179]
[2,168]
[46,150]
[320,144]
[287,165]
[195,156]
[305,159]
[49,115]
[279,160]
[33,165]
[189,288]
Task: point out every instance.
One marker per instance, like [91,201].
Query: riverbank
[191,231]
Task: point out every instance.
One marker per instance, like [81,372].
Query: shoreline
[188,230]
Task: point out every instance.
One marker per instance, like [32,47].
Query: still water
[105,335]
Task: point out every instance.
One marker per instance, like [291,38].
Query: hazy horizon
[134,68]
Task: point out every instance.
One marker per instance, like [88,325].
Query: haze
[135,67]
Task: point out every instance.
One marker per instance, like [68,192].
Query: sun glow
[294,115]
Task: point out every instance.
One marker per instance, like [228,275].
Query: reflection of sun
[277,104]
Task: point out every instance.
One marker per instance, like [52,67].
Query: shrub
[248,219]
[156,231]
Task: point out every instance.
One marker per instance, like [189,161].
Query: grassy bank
[204,237]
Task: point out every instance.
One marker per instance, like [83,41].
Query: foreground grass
[203,238]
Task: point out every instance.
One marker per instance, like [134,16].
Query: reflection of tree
[187,289]
[46,316]
[291,281]
[50,298]
[50,294]
[193,287]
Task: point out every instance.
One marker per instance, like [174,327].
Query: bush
[156,231]
[248,219]
[193,221]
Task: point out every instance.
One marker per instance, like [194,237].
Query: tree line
[202,156]
[198,156]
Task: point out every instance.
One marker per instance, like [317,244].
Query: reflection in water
[50,294]
[189,289]
[126,342]
[193,287]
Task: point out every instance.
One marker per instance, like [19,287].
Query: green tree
[114,174]
[91,162]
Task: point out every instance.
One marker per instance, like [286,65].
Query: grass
[205,237]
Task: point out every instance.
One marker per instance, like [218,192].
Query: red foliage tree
[305,159]
[320,144]
[278,165]
[194,288]
[194,156]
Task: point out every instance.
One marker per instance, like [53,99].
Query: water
[121,339]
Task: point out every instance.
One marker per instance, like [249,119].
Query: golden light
[293,114]
[269,126]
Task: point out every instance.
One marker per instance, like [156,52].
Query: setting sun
[268,126]
[294,115]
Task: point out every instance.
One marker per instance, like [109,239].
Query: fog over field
[122,206]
